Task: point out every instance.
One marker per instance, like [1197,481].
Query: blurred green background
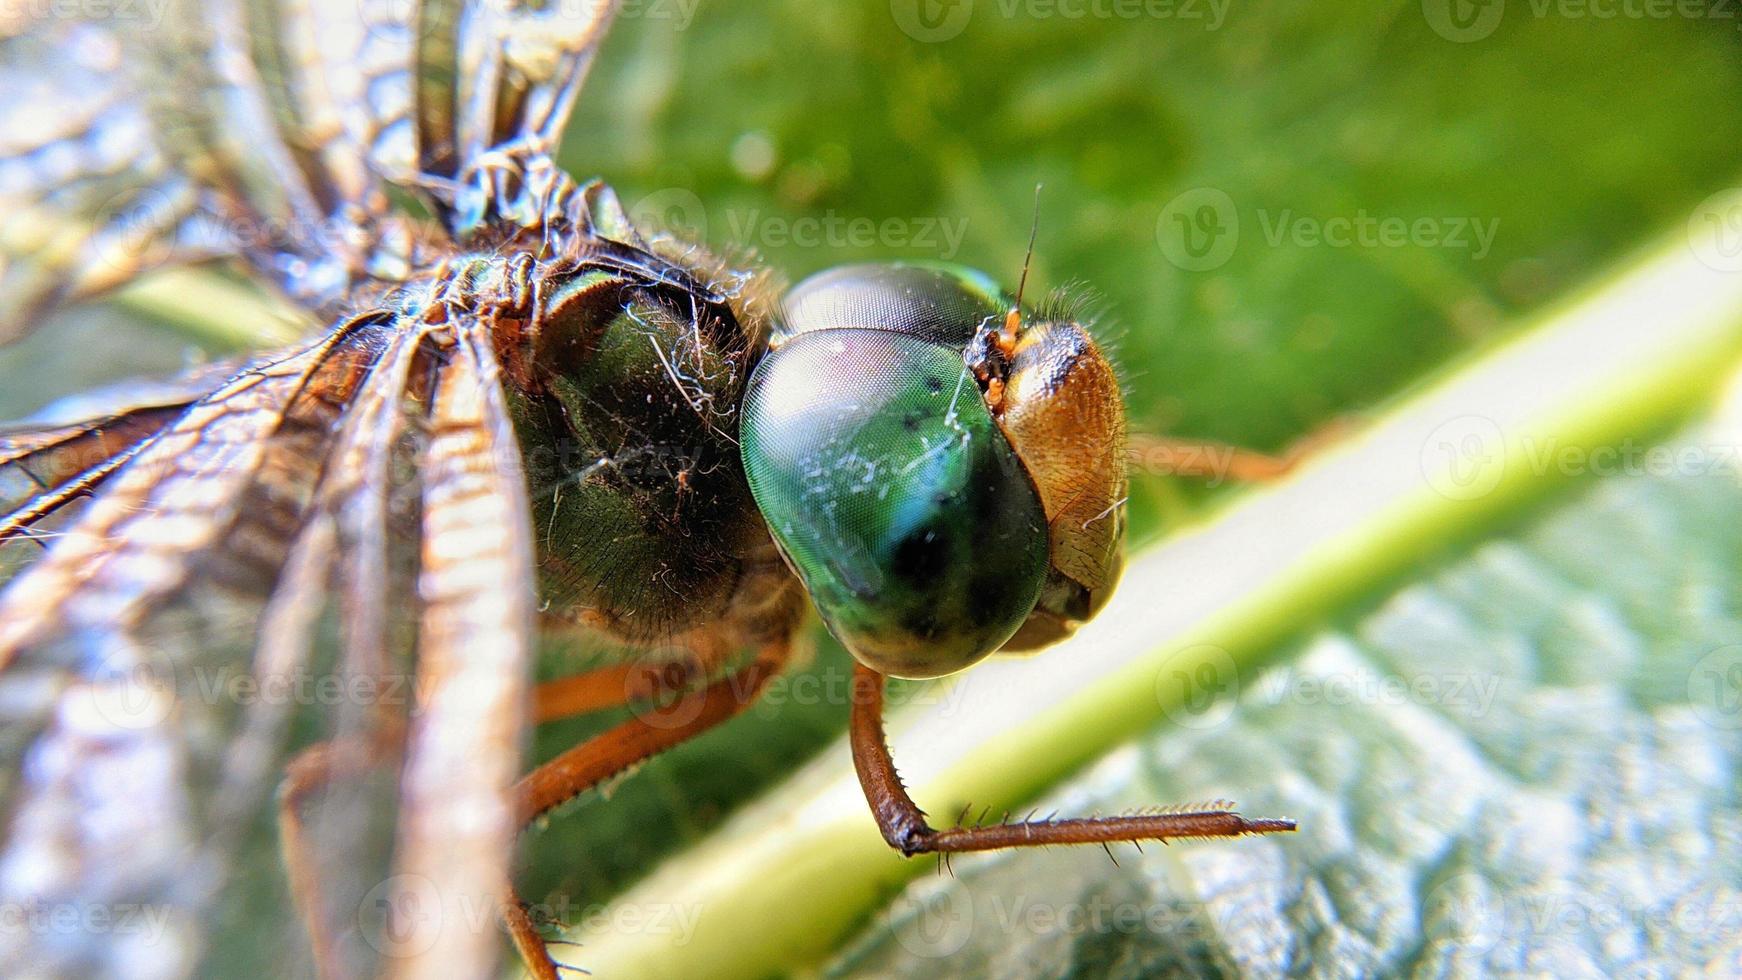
[770,127]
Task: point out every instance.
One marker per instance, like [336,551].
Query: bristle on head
[1013,319]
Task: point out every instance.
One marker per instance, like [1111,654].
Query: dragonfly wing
[437,402]
[267,129]
[117,645]
[90,434]
[378,463]
[121,397]
[88,196]
[252,128]
[343,76]
[122,559]
[521,65]
[43,470]
[457,820]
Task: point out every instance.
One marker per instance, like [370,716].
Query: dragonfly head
[943,472]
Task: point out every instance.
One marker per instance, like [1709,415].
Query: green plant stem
[212,311]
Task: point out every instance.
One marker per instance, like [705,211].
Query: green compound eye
[902,507]
[933,300]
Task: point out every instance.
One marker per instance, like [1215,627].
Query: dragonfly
[516,412]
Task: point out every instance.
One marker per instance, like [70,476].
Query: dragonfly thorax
[633,365]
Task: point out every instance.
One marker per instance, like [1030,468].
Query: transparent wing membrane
[182,565]
[308,496]
[88,196]
[266,131]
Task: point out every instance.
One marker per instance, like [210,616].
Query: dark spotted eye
[884,477]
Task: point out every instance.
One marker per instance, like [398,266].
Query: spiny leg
[644,679]
[1203,459]
[621,684]
[607,687]
[904,826]
[1219,461]
[607,754]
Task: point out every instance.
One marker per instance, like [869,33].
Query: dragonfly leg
[314,768]
[654,730]
[1223,462]
[904,826]
[621,684]
[609,687]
